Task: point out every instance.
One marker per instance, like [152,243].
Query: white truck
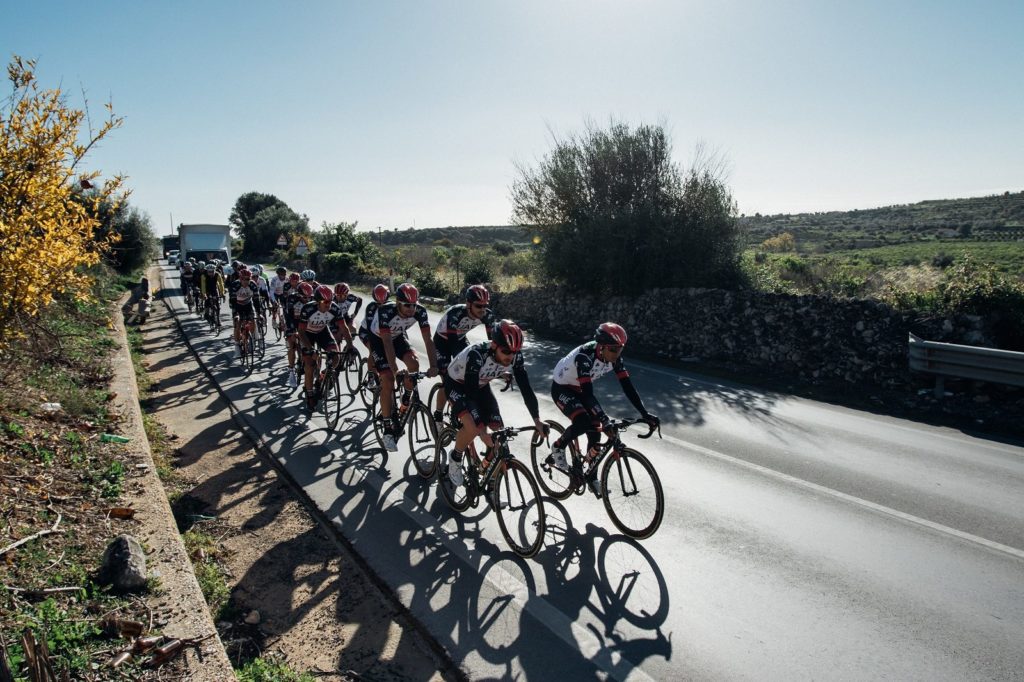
[204,243]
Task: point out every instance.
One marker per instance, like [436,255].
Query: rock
[253,617]
[124,565]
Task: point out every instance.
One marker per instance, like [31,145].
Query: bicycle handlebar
[623,424]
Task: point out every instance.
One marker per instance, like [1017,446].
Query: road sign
[302,248]
[281,241]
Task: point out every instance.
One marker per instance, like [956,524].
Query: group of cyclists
[315,316]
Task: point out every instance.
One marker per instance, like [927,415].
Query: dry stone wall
[813,338]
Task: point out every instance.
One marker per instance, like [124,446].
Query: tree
[344,250]
[616,215]
[47,225]
[259,219]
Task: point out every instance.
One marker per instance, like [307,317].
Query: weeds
[270,668]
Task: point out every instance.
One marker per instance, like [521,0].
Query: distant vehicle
[205,242]
[172,257]
[170,244]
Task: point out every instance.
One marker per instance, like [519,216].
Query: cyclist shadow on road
[608,584]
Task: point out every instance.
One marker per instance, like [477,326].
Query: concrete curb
[183,607]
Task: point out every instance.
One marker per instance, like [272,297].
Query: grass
[54,466]
[270,668]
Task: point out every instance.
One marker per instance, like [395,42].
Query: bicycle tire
[518,504]
[330,398]
[555,483]
[459,498]
[378,421]
[261,339]
[367,393]
[353,365]
[638,518]
[252,350]
[432,400]
[421,437]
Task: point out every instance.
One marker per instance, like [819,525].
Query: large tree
[259,219]
[615,214]
[47,225]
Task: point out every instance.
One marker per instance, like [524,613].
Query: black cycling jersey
[455,324]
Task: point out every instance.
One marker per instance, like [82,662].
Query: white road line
[866,504]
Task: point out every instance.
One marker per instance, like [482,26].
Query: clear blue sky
[395,113]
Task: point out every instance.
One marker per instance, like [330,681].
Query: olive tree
[615,214]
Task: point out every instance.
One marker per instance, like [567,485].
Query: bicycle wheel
[250,342]
[419,429]
[261,338]
[378,421]
[275,322]
[517,501]
[432,401]
[369,386]
[330,398]
[458,498]
[555,482]
[354,370]
[632,493]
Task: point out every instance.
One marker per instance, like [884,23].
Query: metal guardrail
[965,362]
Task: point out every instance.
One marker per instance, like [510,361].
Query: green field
[1007,257]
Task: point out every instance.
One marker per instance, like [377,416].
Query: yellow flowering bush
[48,203]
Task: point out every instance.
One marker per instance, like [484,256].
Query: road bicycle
[277,320]
[247,343]
[261,336]
[212,313]
[200,303]
[628,484]
[504,481]
[189,298]
[327,388]
[369,383]
[352,368]
[414,427]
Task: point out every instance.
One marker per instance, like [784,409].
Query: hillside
[992,218]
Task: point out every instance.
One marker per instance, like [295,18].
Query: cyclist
[197,275]
[467,383]
[310,276]
[344,297]
[381,294]
[316,321]
[297,297]
[186,279]
[211,285]
[389,342]
[277,284]
[573,393]
[245,303]
[450,334]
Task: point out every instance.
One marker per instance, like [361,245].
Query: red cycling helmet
[381,293]
[341,290]
[324,293]
[293,278]
[610,334]
[407,293]
[244,271]
[507,334]
[306,289]
[478,294]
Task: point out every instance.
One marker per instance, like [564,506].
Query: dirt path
[316,604]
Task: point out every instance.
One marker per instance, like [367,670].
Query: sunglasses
[613,349]
[407,305]
[478,306]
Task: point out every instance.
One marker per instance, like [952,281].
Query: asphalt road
[800,540]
